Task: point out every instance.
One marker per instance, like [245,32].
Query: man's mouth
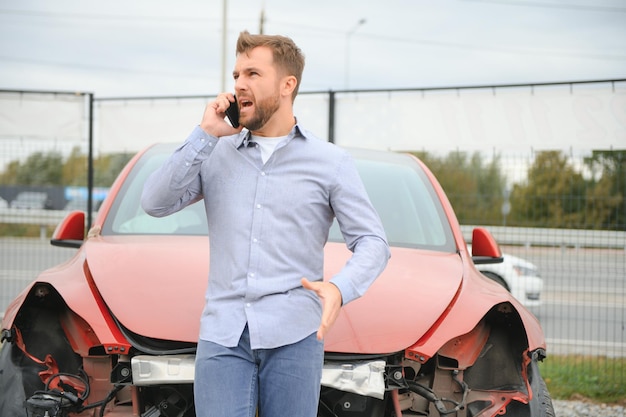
[244,103]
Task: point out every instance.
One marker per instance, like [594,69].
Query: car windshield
[405,201]
[397,186]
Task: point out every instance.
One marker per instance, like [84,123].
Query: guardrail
[535,236]
[42,218]
[504,235]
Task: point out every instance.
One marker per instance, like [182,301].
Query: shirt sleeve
[362,230]
[176,184]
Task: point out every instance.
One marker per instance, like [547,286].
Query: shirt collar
[296,131]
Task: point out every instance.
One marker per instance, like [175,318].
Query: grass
[22,230]
[596,378]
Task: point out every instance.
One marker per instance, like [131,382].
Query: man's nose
[239,84]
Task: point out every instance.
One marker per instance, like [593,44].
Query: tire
[541,403]
[11,382]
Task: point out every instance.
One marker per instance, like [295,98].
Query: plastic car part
[484,247]
[173,404]
[167,369]
[71,232]
[441,403]
[44,404]
[68,396]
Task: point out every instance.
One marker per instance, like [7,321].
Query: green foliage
[38,169]
[23,230]
[593,377]
[50,169]
[557,195]
[475,188]
[107,168]
[554,195]
[75,169]
[609,196]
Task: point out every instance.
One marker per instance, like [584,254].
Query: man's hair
[287,56]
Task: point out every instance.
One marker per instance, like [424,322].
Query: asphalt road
[584,299]
[583,303]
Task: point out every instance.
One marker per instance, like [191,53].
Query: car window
[406,203]
[397,186]
[127,216]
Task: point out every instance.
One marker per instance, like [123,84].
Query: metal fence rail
[534,236]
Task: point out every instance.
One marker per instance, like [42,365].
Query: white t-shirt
[267,145]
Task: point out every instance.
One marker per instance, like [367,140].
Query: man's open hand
[331,303]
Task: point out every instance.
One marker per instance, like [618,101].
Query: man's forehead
[258,55]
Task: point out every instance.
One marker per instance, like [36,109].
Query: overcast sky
[132,48]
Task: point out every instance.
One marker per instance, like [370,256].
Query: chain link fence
[543,167]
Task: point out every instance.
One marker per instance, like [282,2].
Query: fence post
[90,168]
[331,116]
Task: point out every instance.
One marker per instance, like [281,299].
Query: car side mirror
[485,249]
[70,233]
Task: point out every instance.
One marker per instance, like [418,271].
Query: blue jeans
[234,382]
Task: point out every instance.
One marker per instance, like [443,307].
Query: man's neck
[280,124]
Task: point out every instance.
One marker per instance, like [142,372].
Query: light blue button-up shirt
[268,224]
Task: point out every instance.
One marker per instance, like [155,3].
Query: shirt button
[186,164]
[247,304]
[263,173]
[258,206]
[255,240]
[251,274]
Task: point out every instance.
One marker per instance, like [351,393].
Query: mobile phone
[232,112]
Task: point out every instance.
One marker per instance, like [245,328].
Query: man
[271,192]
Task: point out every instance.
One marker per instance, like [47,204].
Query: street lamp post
[347,57]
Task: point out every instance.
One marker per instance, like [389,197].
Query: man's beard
[263,112]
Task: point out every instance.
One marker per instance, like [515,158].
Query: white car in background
[519,276]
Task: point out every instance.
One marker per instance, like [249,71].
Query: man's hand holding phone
[213,120]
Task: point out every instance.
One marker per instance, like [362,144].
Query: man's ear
[289,85]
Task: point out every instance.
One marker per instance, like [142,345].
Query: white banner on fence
[31,122]
[561,117]
[133,124]
[580,116]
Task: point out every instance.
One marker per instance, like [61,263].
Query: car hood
[153,285]
[165,277]
[412,293]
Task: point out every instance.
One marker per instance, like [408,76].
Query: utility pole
[224,38]
[347,54]
[262,20]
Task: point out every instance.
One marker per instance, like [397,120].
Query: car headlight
[524,270]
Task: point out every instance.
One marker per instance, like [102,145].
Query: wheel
[11,382]
[546,408]
[541,403]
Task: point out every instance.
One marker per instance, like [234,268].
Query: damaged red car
[112,332]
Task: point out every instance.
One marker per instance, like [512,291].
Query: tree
[606,202]
[50,169]
[9,175]
[40,169]
[554,195]
[108,167]
[475,189]
[75,168]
